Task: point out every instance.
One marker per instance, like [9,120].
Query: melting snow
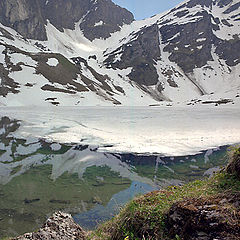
[52,62]
[134,129]
[201,39]
[56,146]
[100,23]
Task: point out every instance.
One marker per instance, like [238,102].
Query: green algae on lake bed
[27,199]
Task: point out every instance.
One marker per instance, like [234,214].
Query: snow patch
[53,62]
[100,23]
[201,39]
[56,146]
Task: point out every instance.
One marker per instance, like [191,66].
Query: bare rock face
[98,18]
[188,36]
[141,54]
[205,219]
[59,226]
[104,17]
[24,16]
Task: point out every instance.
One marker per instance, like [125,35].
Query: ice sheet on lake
[170,131]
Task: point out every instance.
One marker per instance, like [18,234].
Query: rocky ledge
[59,226]
[213,217]
[216,218]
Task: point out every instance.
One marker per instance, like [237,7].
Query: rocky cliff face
[98,18]
[24,16]
[141,54]
[190,36]
[103,18]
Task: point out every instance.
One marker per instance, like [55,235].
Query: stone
[234,166]
[29,17]
[204,218]
[59,226]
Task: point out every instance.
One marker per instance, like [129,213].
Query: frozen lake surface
[169,131]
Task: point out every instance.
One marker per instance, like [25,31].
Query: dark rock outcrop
[29,17]
[104,17]
[183,45]
[187,34]
[141,54]
[205,219]
[25,16]
[59,226]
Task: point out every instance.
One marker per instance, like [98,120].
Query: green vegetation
[145,216]
[66,63]
[26,198]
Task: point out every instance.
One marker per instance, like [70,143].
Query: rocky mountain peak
[98,18]
[187,38]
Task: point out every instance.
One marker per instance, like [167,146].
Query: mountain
[194,46]
[92,52]
[96,18]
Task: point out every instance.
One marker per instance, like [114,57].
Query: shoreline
[196,210]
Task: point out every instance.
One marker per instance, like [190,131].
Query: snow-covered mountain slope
[32,74]
[189,55]
[191,50]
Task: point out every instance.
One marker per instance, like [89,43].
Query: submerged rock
[27,201]
[59,226]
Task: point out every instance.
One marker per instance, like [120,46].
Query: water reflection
[91,218]
[38,177]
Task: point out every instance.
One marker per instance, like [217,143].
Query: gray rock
[29,17]
[188,43]
[59,226]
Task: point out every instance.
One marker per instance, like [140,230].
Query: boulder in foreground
[59,226]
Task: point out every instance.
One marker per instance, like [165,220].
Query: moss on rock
[234,165]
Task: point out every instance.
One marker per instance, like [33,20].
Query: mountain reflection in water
[38,177]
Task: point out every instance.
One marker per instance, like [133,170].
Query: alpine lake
[39,177]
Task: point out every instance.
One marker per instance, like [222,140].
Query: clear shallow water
[90,219]
[38,176]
